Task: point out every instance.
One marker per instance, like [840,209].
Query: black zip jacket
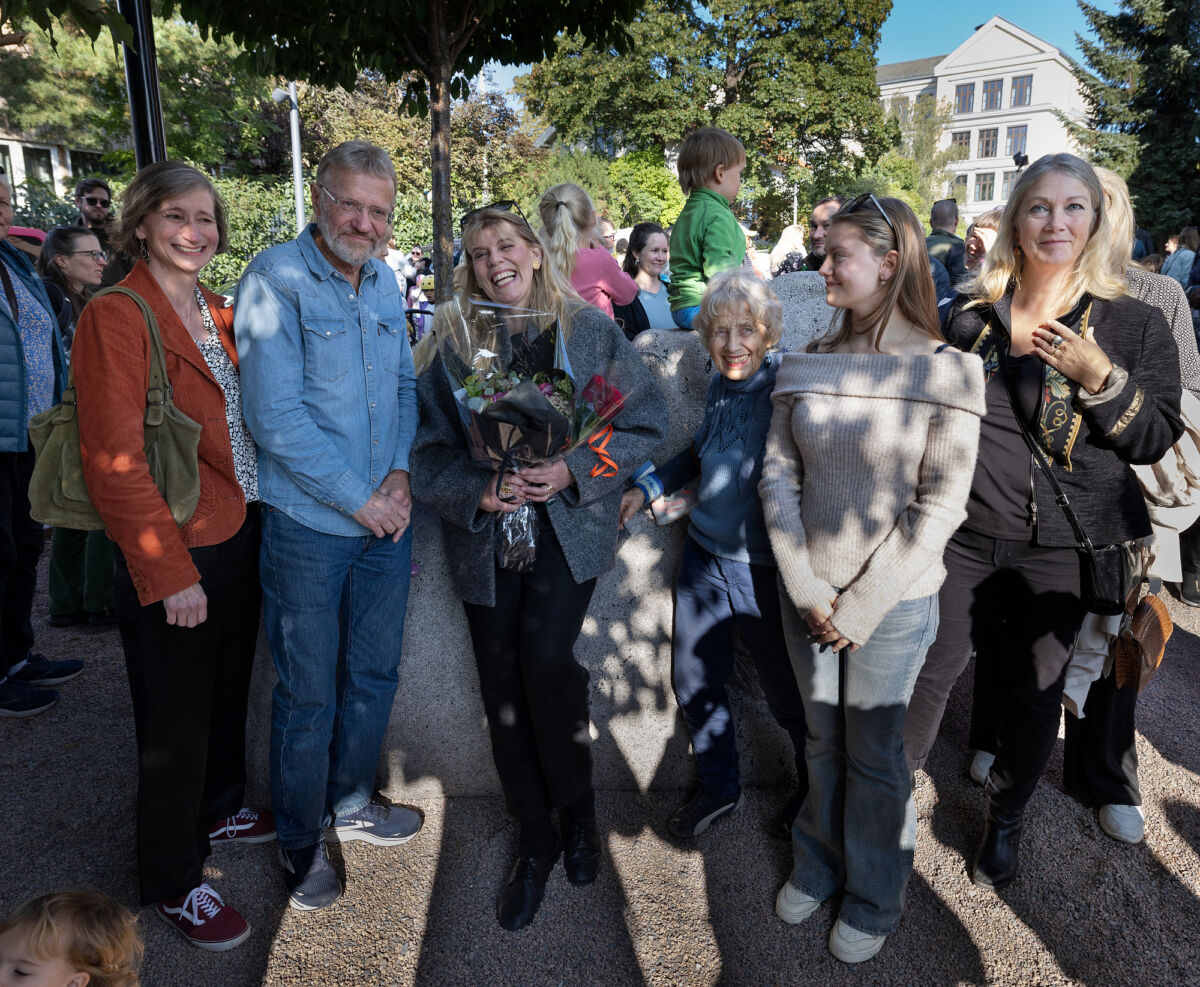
[1136,426]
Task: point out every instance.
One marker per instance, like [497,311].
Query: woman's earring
[142,249]
[882,280]
[537,265]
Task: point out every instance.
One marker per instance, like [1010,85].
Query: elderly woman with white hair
[1082,381]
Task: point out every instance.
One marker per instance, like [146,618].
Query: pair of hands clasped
[820,626]
[386,513]
[506,492]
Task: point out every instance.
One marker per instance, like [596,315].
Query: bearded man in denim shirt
[329,394]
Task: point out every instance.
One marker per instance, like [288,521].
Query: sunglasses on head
[862,200]
[504,205]
[92,200]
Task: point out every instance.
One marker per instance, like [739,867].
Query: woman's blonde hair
[567,215]
[730,295]
[989,220]
[87,929]
[886,224]
[791,240]
[1093,271]
[146,192]
[1120,218]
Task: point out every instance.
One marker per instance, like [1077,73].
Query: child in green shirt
[706,238]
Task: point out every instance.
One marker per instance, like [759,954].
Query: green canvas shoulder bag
[58,495]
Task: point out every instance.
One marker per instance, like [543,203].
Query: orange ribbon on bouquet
[598,443]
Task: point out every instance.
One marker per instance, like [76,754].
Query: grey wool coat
[584,517]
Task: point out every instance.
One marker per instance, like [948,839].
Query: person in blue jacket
[33,372]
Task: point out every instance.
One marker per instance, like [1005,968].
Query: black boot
[1189,551]
[522,894]
[581,850]
[996,860]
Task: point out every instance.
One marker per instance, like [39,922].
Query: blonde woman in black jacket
[1095,375]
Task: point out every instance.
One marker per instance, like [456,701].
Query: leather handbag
[1142,642]
[1108,574]
[59,496]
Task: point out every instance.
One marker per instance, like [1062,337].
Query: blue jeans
[333,608]
[713,598]
[683,316]
[857,828]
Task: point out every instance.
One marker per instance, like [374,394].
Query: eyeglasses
[504,205]
[99,256]
[377,216]
[91,200]
[861,200]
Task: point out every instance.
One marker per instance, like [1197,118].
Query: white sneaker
[1126,823]
[981,764]
[793,905]
[851,946]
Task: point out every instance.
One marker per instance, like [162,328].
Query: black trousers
[189,689]
[1100,765]
[535,693]
[21,541]
[1018,607]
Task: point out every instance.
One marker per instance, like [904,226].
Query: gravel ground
[1086,910]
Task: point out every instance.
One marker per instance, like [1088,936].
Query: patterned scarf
[1058,423]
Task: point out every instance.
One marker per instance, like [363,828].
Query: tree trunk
[443,224]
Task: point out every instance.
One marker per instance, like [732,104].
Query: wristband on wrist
[647,481]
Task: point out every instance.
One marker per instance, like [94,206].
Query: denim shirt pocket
[326,347]
[393,336]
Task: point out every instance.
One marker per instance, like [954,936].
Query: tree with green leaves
[1141,84]
[445,41]
[915,168]
[794,80]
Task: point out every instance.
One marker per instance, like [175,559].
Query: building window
[1022,90]
[960,145]
[1006,187]
[964,98]
[6,162]
[985,186]
[1015,141]
[993,90]
[959,185]
[85,164]
[39,166]
[988,140]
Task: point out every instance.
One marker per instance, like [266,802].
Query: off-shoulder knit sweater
[867,469]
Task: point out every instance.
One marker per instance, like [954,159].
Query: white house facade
[54,165]
[1003,85]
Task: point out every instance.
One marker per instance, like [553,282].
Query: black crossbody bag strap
[1060,498]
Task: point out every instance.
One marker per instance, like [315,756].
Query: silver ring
[1057,341]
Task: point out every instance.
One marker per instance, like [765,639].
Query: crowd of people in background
[866,515]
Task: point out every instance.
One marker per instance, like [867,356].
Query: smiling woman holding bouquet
[524,624]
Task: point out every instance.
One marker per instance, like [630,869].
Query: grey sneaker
[20,700]
[702,811]
[310,877]
[378,824]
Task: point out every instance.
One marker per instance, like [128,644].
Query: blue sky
[920,28]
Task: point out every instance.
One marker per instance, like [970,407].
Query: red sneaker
[247,826]
[204,920]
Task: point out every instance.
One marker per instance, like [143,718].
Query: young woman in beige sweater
[866,474]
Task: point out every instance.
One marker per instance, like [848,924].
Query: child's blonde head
[702,152]
[89,931]
[733,296]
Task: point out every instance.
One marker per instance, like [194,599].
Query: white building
[1003,85]
[54,165]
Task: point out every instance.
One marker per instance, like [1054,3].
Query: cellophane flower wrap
[514,419]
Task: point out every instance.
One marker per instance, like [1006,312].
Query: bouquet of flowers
[514,412]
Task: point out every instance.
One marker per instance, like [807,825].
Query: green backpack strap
[159,394]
